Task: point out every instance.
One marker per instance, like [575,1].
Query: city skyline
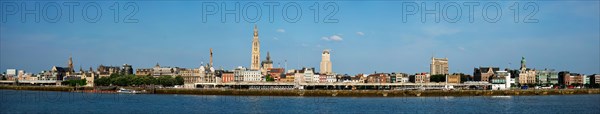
[358,44]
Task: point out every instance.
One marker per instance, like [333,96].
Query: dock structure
[340,85]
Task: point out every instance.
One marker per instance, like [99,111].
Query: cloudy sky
[364,37]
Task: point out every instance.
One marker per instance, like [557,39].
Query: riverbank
[335,93]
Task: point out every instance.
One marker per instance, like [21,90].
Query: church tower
[71,68]
[255,65]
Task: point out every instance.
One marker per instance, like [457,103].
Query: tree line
[132,80]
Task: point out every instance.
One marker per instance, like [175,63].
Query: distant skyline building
[255,64]
[326,62]
[438,66]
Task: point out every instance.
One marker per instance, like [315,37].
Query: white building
[502,80]
[331,78]
[252,76]
[309,75]
[11,73]
[316,78]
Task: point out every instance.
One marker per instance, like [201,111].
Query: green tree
[166,80]
[103,81]
[268,78]
[179,80]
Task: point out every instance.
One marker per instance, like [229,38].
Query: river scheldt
[24,101]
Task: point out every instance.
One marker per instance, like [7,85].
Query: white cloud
[461,48]
[275,38]
[332,38]
[281,30]
[360,33]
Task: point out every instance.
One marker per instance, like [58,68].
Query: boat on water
[129,91]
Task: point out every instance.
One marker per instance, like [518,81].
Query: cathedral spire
[71,68]
[255,63]
[255,32]
[211,57]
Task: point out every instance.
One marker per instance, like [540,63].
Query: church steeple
[268,56]
[523,62]
[71,68]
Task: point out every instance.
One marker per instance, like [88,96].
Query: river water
[12,101]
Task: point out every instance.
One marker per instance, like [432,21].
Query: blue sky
[369,36]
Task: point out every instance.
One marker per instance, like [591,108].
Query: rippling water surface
[12,101]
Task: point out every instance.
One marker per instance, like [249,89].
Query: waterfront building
[501,80]
[586,79]
[317,78]
[526,76]
[227,76]
[289,77]
[238,74]
[308,74]
[422,77]
[143,72]
[255,65]
[438,66]
[400,77]
[164,71]
[567,78]
[106,71]
[326,63]
[484,73]
[207,74]
[542,76]
[59,72]
[127,69]
[576,78]
[552,77]
[564,77]
[454,78]
[331,78]
[322,78]
[11,74]
[378,78]
[191,76]
[595,79]
[359,78]
[390,78]
[277,73]
[299,76]
[252,76]
[89,77]
[266,64]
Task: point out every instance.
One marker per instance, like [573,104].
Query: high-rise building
[326,62]
[439,66]
[255,65]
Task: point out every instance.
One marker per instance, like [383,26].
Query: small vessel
[123,90]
